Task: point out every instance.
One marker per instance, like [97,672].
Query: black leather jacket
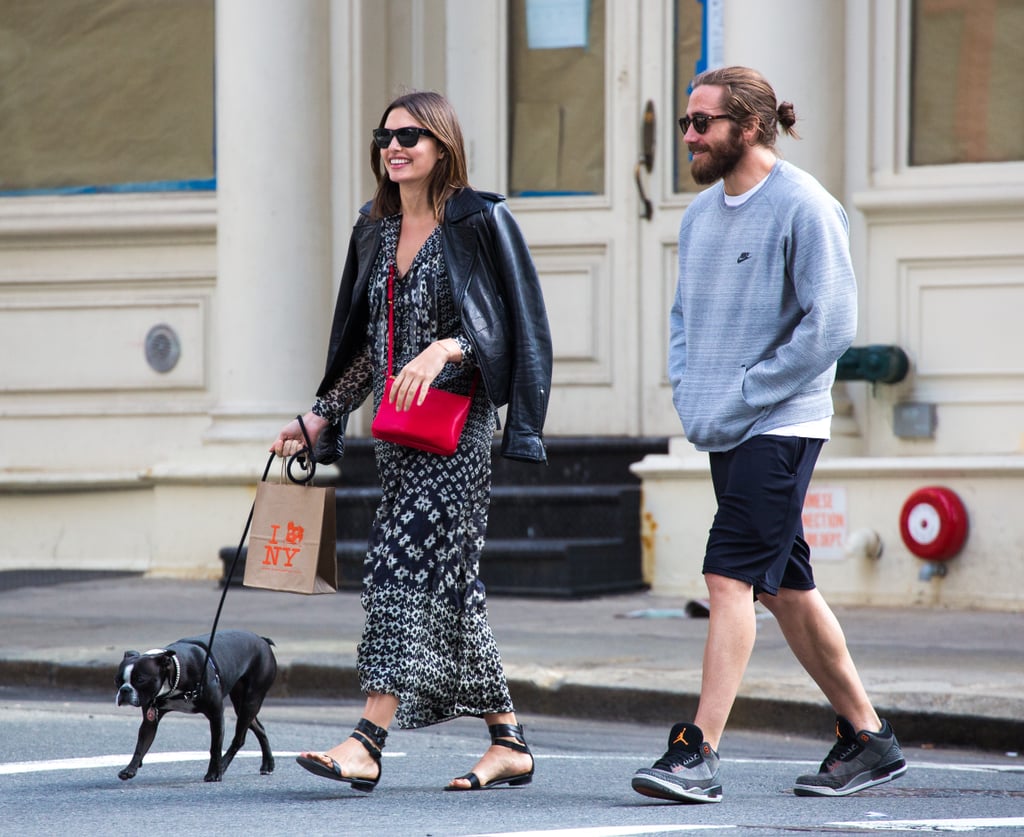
[498,295]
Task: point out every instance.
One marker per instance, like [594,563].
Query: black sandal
[368,734]
[499,732]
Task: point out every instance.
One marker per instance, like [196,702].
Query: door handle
[646,160]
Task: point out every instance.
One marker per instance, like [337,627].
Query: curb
[598,703]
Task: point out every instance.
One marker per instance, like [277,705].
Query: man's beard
[716,163]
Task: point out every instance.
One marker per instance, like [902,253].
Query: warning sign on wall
[824,520]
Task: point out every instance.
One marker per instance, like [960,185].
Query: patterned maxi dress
[426,639]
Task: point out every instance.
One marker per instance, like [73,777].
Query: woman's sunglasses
[407,137]
[700,121]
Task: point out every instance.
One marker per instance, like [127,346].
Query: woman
[467,308]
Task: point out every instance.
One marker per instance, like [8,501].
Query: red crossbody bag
[436,424]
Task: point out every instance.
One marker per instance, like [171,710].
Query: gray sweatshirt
[765,304]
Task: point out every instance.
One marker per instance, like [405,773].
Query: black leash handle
[304,458]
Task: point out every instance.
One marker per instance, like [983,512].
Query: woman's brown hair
[435,113]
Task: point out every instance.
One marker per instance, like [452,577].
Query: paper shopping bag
[292,540]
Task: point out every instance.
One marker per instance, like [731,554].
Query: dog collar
[189,696]
[177,671]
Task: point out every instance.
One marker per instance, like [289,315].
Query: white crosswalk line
[959,824]
[102,761]
[607,831]
[963,824]
[89,762]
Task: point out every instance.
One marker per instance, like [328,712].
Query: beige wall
[939,253]
[106,462]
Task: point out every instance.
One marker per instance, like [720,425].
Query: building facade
[175,210]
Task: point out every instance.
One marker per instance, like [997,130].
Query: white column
[476,82]
[799,46]
[274,292]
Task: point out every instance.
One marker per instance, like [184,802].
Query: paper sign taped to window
[556,24]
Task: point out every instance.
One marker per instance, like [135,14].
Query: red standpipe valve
[933,523]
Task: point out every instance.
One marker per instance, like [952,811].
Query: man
[765,305]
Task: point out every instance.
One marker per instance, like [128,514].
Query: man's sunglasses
[407,137]
[700,121]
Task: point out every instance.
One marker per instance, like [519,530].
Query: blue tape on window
[204,185]
[539,193]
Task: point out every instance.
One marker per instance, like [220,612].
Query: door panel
[582,232]
[674,48]
[560,130]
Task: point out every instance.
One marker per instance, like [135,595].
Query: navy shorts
[757,534]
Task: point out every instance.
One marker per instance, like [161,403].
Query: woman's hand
[290,440]
[414,379]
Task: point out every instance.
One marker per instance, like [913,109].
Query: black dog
[171,679]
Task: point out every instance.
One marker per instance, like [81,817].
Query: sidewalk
[946,677]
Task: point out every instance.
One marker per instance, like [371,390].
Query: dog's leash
[307,463]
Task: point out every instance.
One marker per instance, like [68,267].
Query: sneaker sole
[864,781]
[658,789]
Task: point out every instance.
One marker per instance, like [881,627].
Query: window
[557,96]
[689,59]
[106,95]
[967,82]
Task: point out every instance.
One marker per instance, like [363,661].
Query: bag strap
[391,330]
[391,315]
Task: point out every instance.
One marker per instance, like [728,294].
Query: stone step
[591,460]
[566,529]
